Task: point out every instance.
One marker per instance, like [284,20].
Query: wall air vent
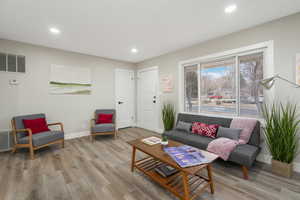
[12,63]
[21,63]
[3,62]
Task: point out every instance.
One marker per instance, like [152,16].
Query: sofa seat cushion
[198,141]
[191,139]
[100,128]
[244,154]
[43,138]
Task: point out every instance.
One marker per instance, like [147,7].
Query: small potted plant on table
[281,131]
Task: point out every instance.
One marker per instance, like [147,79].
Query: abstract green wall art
[66,80]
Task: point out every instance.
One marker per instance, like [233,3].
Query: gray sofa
[243,155]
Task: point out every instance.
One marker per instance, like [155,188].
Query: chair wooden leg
[116,134]
[245,172]
[14,150]
[31,153]
[63,144]
[92,138]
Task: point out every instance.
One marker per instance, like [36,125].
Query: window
[225,86]
[191,88]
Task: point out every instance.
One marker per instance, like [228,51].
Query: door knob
[120,102]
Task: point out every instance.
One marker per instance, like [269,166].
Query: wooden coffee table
[186,184]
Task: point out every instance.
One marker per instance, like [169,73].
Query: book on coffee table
[151,140]
[186,156]
[166,170]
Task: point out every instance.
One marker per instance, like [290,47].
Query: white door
[125,97]
[148,98]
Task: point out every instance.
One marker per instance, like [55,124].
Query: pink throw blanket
[222,147]
[247,125]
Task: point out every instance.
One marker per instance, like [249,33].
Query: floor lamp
[269,82]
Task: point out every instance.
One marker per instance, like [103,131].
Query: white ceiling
[110,28]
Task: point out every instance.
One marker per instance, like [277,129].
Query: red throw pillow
[36,125]
[208,130]
[104,118]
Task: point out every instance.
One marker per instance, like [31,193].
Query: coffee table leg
[185,186]
[209,172]
[133,158]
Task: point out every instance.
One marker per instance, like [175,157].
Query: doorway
[147,98]
[125,97]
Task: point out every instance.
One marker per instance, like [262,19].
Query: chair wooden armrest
[93,121]
[24,130]
[57,124]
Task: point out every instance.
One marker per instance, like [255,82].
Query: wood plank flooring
[101,170]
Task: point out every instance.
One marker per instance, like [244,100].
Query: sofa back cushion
[183,126]
[231,133]
[225,122]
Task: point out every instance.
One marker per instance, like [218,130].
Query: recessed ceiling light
[134,50]
[230,8]
[54,30]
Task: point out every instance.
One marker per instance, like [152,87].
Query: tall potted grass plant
[168,117]
[281,131]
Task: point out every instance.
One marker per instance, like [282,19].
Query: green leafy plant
[281,130]
[168,116]
[164,138]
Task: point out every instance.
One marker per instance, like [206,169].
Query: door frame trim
[156,129]
[133,122]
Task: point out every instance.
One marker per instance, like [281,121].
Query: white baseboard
[77,135]
[297,167]
[266,158]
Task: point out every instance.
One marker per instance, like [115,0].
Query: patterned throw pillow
[208,130]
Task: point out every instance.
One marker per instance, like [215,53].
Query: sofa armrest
[57,124]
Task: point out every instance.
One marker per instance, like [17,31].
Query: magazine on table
[151,140]
[186,156]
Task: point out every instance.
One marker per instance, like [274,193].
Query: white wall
[32,95]
[284,32]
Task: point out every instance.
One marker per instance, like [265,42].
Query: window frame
[268,70]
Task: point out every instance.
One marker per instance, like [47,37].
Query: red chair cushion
[36,125]
[208,130]
[104,118]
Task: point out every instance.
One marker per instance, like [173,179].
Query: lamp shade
[268,82]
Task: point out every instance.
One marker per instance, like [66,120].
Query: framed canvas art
[70,80]
[167,82]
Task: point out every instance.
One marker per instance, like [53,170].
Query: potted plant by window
[281,131]
[168,117]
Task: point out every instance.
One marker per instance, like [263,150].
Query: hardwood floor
[101,170]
